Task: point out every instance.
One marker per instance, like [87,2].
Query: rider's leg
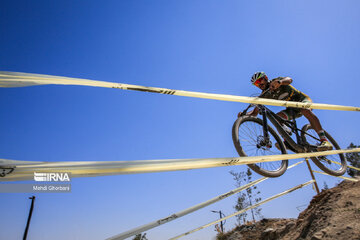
[315,123]
[284,116]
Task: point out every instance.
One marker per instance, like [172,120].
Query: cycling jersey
[286,93]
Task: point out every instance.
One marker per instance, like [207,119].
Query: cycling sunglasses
[257,82]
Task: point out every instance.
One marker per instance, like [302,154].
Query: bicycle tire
[323,162]
[240,149]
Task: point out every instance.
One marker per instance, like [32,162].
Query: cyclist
[280,89]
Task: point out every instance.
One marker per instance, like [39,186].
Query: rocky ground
[332,214]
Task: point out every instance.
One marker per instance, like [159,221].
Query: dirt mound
[332,214]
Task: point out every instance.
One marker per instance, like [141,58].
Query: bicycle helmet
[258,75]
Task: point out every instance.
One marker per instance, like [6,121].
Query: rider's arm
[286,81]
[276,83]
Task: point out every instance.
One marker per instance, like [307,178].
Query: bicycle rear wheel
[332,164]
[247,134]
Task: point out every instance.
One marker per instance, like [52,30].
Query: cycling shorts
[293,113]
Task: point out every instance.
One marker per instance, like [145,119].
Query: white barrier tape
[246,209]
[346,178]
[177,215]
[182,213]
[92,169]
[15,79]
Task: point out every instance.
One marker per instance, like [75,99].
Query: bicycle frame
[299,146]
[263,141]
[274,119]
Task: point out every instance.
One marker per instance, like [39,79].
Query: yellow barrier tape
[358,169]
[16,79]
[103,168]
[246,209]
[346,178]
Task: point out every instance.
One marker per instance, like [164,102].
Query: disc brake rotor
[262,143]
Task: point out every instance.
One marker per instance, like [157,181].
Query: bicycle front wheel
[248,138]
[332,164]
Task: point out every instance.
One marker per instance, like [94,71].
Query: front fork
[266,137]
[266,127]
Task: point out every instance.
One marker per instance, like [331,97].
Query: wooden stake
[312,175]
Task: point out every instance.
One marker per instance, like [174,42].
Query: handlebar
[252,104]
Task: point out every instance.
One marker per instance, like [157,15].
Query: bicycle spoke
[332,164]
[251,140]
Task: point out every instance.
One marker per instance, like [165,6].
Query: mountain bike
[254,136]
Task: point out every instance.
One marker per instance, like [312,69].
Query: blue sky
[205,46]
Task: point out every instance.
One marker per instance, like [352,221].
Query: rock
[317,236]
[268,234]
